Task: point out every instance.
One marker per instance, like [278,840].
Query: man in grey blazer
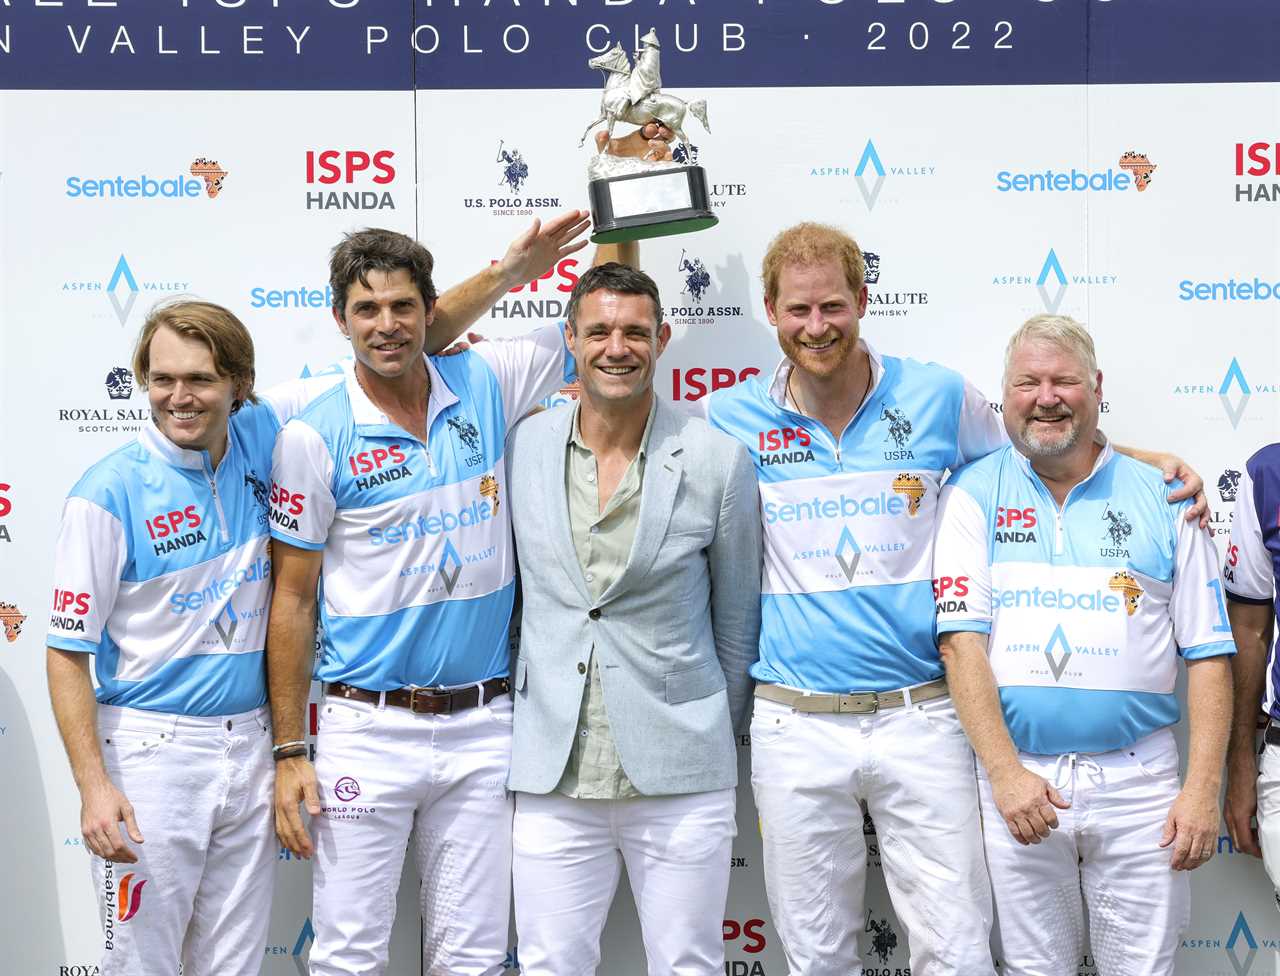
[638,534]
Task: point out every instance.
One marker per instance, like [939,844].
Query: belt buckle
[437,701]
[860,703]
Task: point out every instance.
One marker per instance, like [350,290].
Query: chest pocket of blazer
[705,679]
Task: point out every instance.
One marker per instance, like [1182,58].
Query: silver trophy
[634,199]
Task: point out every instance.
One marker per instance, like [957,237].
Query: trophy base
[639,206]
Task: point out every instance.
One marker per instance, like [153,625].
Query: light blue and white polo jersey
[161,568]
[846,603]
[1087,607]
[417,577]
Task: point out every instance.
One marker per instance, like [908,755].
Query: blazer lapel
[557,507]
[663,470]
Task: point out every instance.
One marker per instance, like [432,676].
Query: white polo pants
[915,771]
[200,892]
[568,858]
[1269,812]
[1107,844]
[384,773]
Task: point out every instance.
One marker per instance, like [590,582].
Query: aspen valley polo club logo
[1233,393]
[118,292]
[871,174]
[1244,951]
[1053,281]
[508,196]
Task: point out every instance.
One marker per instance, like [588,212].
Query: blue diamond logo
[1059,642]
[848,554]
[227,631]
[1241,931]
[871,158]
[1235,376]
[450,558]
[1052,266]
[122,273]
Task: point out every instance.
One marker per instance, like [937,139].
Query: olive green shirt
[602,541]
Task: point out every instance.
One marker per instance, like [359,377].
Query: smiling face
[190,400]
[386,322]
[1050,400]
[816,313]
[616,343]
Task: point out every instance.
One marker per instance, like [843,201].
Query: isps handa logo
[350,179]
[1230,396]
[1259,163]
[543,298]
[116,293]
[696,287]
[871,173]
[6,509]
[1053,281]
[507,196]
[745,936]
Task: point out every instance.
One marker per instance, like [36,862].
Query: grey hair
[1062,331]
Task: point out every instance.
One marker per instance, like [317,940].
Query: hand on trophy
[652,141]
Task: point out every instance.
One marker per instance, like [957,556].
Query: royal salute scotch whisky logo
[119,383]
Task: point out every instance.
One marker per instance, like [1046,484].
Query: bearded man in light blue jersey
[851,703]
[1068,589]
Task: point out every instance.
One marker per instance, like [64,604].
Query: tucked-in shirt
[602,541]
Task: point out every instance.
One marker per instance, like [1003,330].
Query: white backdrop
[959,265]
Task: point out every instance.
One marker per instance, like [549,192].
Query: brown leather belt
[857,702]
[428,701]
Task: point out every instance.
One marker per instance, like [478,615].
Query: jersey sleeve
[1247,568]
[89,557]
[528,367]
[1200,624]
[302,500]
[981,430]
[288,399]
[961,563]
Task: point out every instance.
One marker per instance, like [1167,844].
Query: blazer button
[582,668]
[594,613]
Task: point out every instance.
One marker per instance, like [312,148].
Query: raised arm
[529,256]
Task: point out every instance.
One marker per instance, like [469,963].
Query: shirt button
[595,529]
[589,578]
[582,669]
[594,613]
[591,478]
[228,725]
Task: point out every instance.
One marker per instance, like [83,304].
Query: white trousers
[1269,812]
[1106,844]
[569,855]
[385,773]
[914,770]
[200,892]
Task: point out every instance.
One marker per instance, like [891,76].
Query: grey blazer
[674,634]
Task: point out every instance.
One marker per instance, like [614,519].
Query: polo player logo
[883,939]
[120,383]
[899,425]
[514,169]
[260,495]
[696,277]
[1118,526]
[466,432]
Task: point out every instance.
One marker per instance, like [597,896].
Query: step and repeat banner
[1114,160]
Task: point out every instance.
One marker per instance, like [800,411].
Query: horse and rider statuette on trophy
[635,199]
